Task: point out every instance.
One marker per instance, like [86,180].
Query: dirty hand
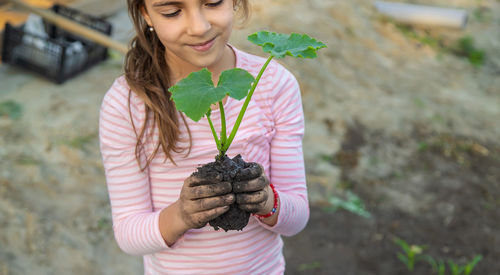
[204,199]
[253,193]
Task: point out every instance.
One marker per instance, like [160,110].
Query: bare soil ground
[396,115]
[445,199]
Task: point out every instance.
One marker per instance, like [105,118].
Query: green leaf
[455,268]
[353,204]
[470,266]
[404,245]
[431,261]
[281,45]
[235,82]
[402,258]
[194,94]
[441,268]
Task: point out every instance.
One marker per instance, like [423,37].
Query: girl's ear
[145,15]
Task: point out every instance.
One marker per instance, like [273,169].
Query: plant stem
[245,105]
[216,138]
[223,134]
[411,262]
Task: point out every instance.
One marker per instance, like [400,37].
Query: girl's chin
[207,60]
[208,64]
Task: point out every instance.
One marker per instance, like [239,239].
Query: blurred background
[402,144]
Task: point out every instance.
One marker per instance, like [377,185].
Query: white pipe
[423,15]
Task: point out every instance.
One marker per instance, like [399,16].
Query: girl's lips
[203,47]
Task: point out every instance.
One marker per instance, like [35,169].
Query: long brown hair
[146,73]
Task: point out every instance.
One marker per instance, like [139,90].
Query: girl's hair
[147,74]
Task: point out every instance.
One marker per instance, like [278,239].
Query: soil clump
[230,169]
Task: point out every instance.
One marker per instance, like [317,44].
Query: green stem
[411,261]
[245,105]
[216,138]
[223,134]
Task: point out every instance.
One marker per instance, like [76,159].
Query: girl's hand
[202,200]
[253,193]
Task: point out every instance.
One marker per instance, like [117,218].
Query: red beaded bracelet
[275,207]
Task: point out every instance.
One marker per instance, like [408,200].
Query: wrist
[269,202]
[272,203]
[172,227]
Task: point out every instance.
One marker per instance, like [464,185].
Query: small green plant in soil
[351,203]
[424,39]
[466,269]
[437,266]
[464,47]
[195,94]
[412,253]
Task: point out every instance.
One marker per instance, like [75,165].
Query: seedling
[412,253]
[437,266]
[466,48]
[352,203]
[457,269]
[194,94]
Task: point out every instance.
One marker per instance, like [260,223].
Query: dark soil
[457,181]
[234,218]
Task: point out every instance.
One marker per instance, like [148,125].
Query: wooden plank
[98,7]
[74,27]
[9,13]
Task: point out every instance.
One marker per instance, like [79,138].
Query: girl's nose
[198,24]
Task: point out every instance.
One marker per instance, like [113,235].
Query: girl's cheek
[224,18]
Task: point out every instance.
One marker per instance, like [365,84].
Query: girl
[150,150]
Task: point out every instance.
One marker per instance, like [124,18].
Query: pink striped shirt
[270,134]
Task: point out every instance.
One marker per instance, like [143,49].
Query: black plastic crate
[53,56]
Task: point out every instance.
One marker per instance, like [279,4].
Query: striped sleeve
[135,224]
[287,171]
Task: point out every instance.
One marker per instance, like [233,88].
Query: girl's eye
[172,14]
[215,4]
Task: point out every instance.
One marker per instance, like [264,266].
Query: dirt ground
[397,116]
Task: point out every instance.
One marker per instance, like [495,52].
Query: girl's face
[194,32]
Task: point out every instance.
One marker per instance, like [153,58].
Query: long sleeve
[134,223]
[270,135]
[287,172]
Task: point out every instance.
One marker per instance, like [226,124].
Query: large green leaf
[236,82]
[280,45]
[194,94]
